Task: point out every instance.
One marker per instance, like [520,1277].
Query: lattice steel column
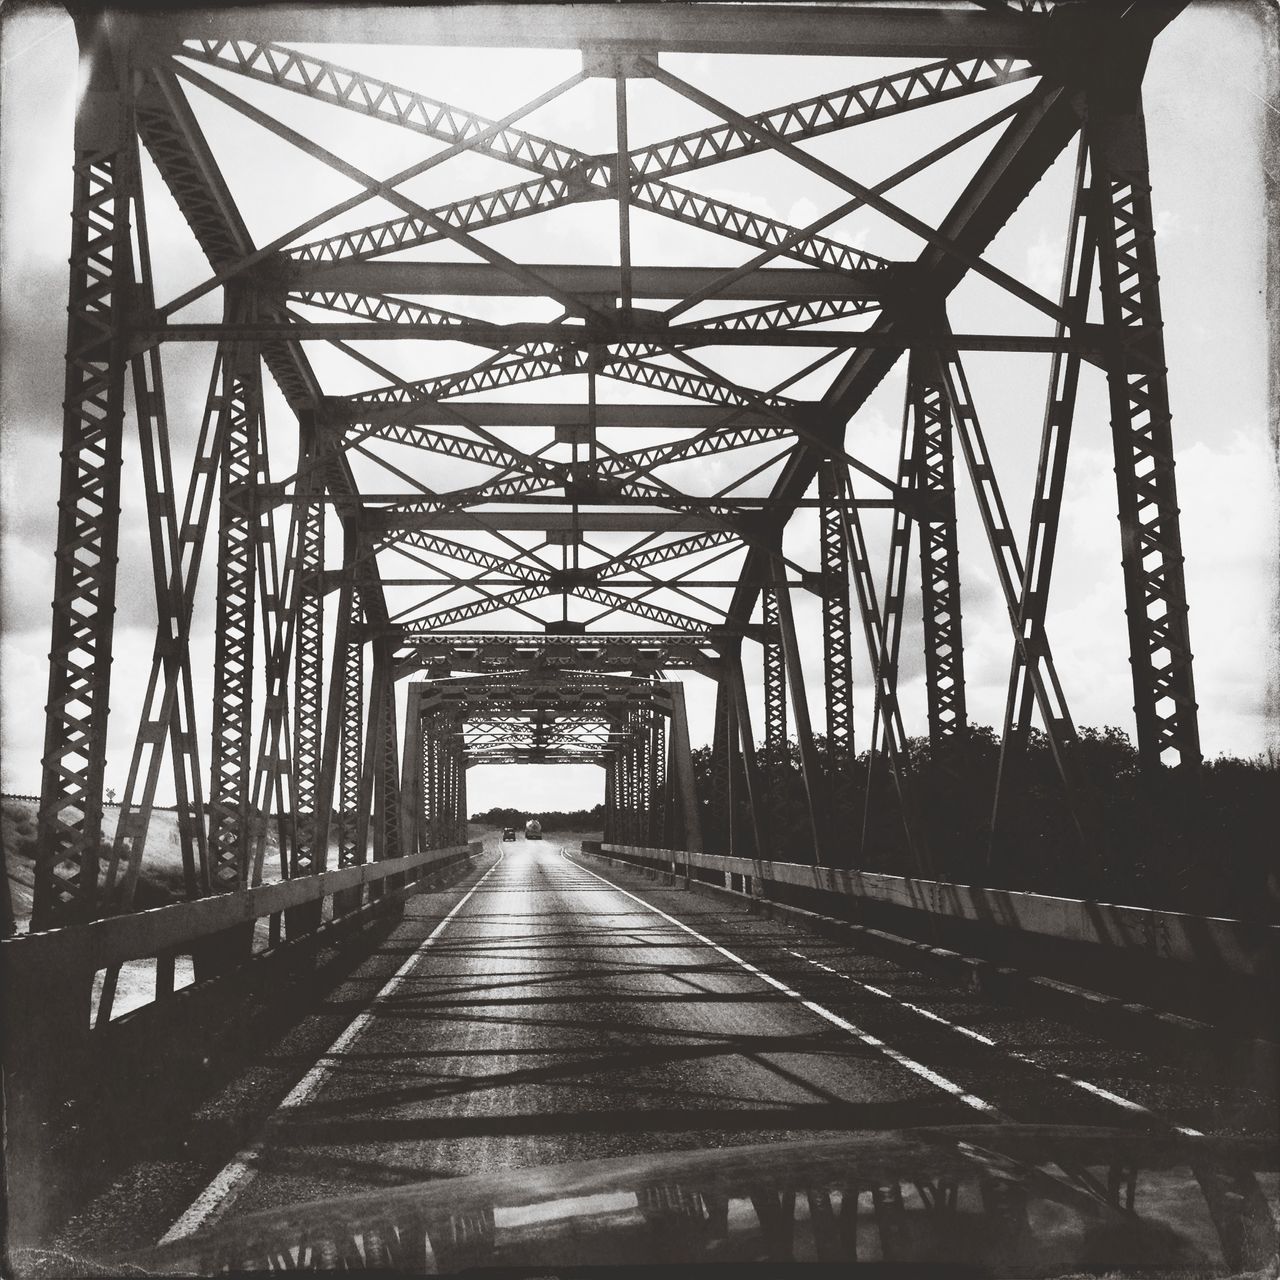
[1142,439]
[308,683]
[431,780]
[717,834]
[657,789]
[388,833]
[837,629]
[229,822]
[349,854]
[934,492]
[70,818]
[775,678]
[609,834]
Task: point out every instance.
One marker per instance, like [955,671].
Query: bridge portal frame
[1088,61]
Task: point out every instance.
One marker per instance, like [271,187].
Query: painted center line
[218,1196]
[872,1042]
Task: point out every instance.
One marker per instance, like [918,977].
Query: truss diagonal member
[1051,467]
[826,113]
[473,609]
[717,441]
[528,278]
[569,176]
[626,362]
[439,442]
[355,91]
[1165,706]
[630,561]
[378,307]
[248,259]
[615,602]
[884,671]
[529,362]
[70,815]
[168,713]
[434,545]
[278,600]
[749,227]
[895,588]
[783,315]
[175,142]
[1059,727]
[472,213]
[795,419]
[867,195]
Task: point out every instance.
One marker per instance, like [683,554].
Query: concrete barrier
[1234,946]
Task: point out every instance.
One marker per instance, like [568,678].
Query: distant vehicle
[533,829]
[509,833]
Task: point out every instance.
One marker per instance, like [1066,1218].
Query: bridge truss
[586,474]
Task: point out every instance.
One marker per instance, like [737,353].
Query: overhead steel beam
[820,30]
[483,280]
[484,413]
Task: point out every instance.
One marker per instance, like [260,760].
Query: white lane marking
[1127,1103]
[240,1171]
[909,1064]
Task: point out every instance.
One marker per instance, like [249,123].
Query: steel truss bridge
[380,627]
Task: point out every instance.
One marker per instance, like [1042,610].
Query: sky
[1205,97]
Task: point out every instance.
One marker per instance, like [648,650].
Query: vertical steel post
[657,789]
[308,683]
[609,835]
[721,769]
[934,492]
[349,854]
[682,755]
[747,749]
[819,823]
[838,665]
[775,678]
[410,806]
[84,585]
[1150,535]
[389,833]
[229,799]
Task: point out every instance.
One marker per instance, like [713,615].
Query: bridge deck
[540,1012]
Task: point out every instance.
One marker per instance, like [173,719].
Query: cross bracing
[554,403]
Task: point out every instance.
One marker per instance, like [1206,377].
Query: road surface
[551,1009]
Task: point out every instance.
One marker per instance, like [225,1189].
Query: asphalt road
[557,1013]
[549,1008]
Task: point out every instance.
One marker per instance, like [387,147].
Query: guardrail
[49,977]
[1236,947]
